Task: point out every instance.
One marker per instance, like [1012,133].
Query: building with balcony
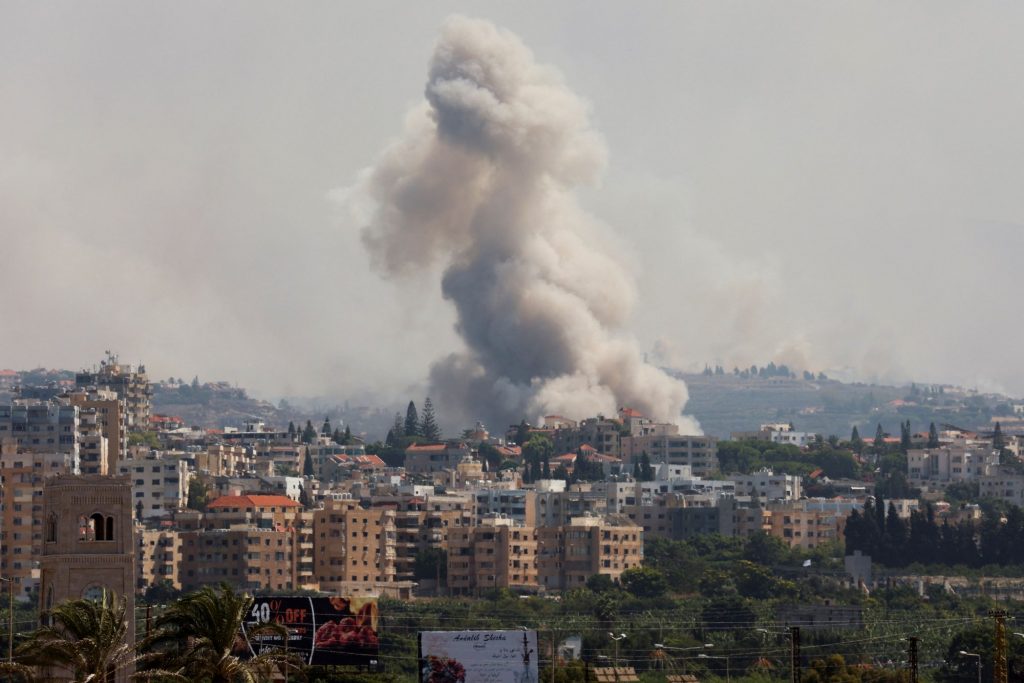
[496,554]
[570,554]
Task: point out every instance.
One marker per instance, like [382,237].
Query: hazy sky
[832,185]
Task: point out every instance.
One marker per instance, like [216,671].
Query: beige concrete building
[159,556]
[251,557]
[495,554]
[572,553]
[418,529]
[805,528]
[23,473]
[109,411]
[263,511]
[699,452]
[355,549]
[224,461]
[130,384]
[425,459]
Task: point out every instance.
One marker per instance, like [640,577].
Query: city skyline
[783,183]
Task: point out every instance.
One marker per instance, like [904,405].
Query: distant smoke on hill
[481,184]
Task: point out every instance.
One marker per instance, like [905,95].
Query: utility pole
[10,621]
[794,653]
[554,655]
[999,669]
[912,657]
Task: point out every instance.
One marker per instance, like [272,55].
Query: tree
[933,436]
[325,429]
[998,442]
[646,471]
[87,637]
[304,500]
[905,441]
[291,429]
[347,438]
[308,433]
[536,451]
[879,439]
[198,494]
[398,428]
[856,443]
[412,421]
[644,582]
[600,583]
[307,464]
[522,433]
[196,636]
[428,424]
[431,563]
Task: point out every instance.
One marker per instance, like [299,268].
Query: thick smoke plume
[481,183]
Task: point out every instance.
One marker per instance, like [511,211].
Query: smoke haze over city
[200,187]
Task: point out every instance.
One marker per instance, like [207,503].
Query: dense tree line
[878,531]
[751,455]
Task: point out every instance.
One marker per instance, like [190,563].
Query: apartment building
[425,459]
[1003,485]
[418,530]
[43,426]
[570,554]
[109,411]
[94,453]
[222,460]
[158,559]
[766,485]
[699,452]
[159,482]
[130,384]
[518,505]
[804,527]
[554,508]
[263,511]
[251,557]
[948,464]
[22,474]
[354,549]
[496,554]
[600,433]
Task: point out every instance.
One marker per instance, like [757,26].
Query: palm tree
[198,637]
[88,638]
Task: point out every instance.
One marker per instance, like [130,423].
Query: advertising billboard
[322,631]
[478,656]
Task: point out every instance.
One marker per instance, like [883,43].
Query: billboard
[478,656]
[322,631]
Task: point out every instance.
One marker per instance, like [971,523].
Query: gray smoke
[481,184]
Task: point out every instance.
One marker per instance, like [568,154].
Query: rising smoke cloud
[481,184]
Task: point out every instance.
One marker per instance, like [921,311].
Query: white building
[159,482]
[766,485]
[951,464]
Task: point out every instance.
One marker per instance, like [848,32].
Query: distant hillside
[727,403]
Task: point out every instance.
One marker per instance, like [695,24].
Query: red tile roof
[426,448]
[253,501]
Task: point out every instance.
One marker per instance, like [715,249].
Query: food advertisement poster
[478,657]
[322,631]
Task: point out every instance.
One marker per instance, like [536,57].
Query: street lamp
[964,653]
[617,638]
[726,658]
